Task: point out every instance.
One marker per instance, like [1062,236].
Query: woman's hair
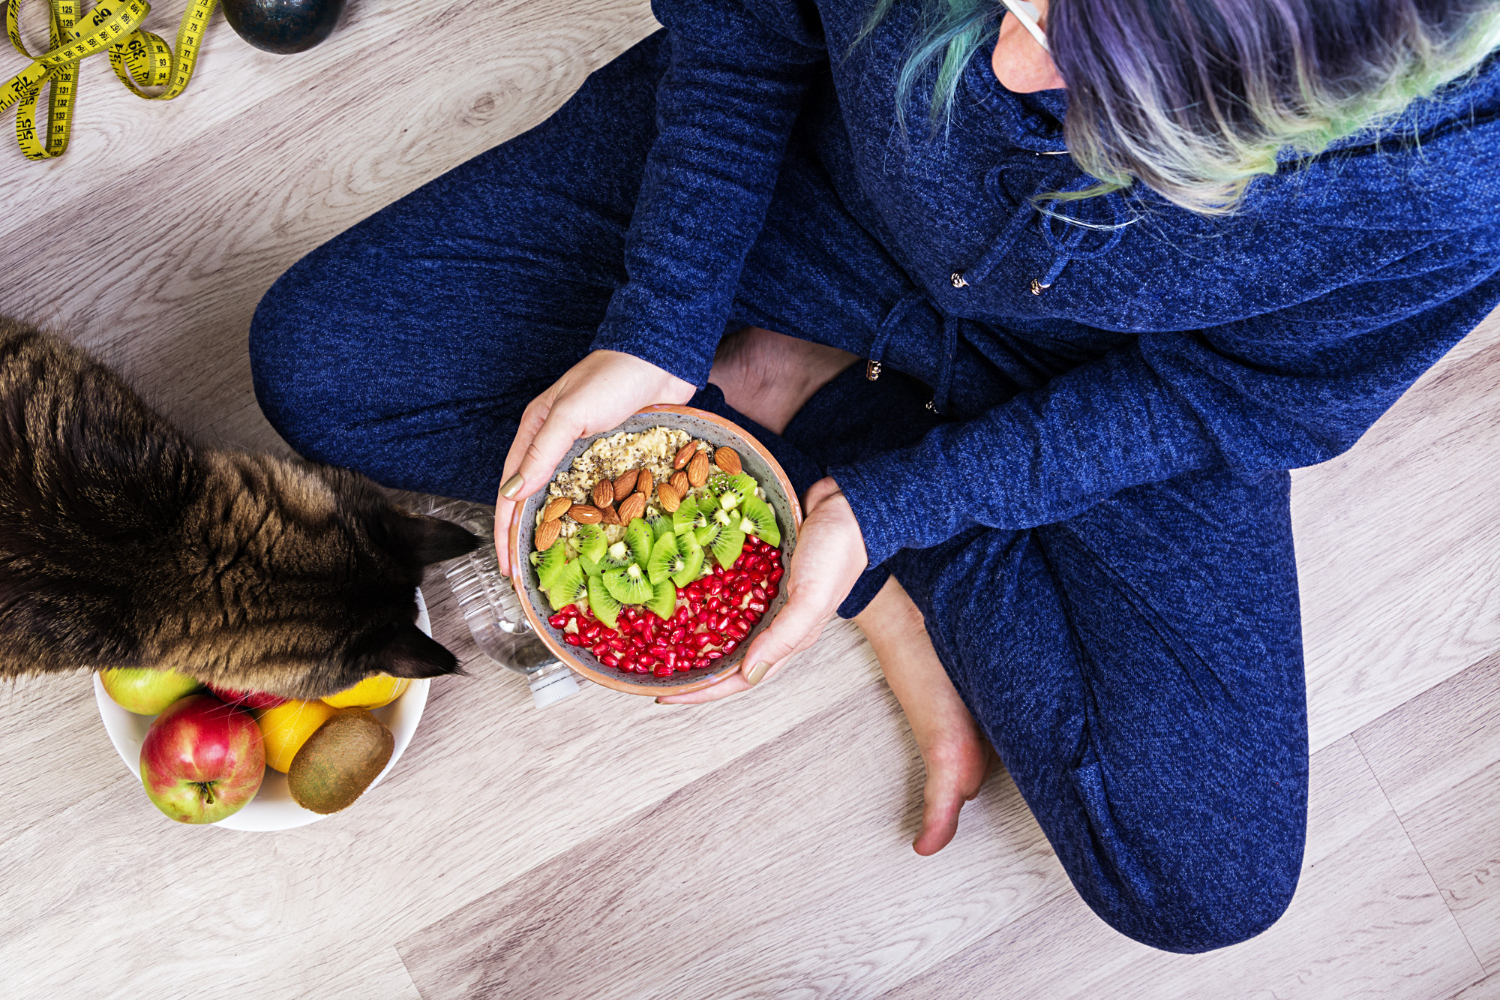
[1194,98]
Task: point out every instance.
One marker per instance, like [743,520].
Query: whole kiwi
[338,762]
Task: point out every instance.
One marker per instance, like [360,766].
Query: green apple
[146,692]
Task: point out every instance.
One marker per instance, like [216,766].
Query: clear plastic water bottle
[492,608]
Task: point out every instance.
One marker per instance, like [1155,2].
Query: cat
[122,544]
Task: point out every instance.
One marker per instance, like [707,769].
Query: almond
[625,485]
[728,460]
[584,514]
[546,534]
[645,482]
[611,516]
[697,469]
[556,508]
[684,454]
[632,507]
[604,493]
[680,483]
[669,497]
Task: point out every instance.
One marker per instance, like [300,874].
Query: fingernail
[512,486]
[757,672]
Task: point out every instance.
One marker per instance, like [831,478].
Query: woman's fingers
[797,627]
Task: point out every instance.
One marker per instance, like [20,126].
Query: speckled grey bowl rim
[719,432]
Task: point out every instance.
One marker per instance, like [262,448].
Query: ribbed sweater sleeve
[725,109]
[1271,393]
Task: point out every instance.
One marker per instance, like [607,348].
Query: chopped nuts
[728,460]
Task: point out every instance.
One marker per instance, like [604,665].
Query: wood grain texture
[766,836]
[789,873]
[1366,922]
[1398,546]
[1485,989]
[1438,759]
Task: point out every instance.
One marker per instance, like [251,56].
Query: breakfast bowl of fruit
[657,551]
[247,760]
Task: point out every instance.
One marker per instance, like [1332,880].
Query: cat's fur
[124,545]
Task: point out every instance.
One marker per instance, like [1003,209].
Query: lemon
[287,726]
[372,692]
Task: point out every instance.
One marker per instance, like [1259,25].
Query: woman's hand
[830,557]
[594,395]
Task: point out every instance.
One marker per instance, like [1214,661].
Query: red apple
[249,699]
[202,760]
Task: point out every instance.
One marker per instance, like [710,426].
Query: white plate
[272,808]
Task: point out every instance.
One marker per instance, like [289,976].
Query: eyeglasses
[1028,15]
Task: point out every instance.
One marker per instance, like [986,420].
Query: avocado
[338,762]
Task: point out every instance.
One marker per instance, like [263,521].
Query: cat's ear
[431,539]
[409,652]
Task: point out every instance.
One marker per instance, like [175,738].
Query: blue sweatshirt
[1266,340]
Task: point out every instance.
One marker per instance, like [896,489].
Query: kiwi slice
[664,601]
[591,568]
[550,565]
[603,603]
[757,518]
[690,553]
[617,556]
[659,526]
[726,548]
[589,540]
[629,585]
[568,587]
[664,559]
[688,517]
[716,522]
[638,537]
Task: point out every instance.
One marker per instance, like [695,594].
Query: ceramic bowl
[273,807]
[755,460]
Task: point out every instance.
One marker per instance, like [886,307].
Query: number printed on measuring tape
[138,57]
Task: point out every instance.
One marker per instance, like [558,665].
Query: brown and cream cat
[124,545]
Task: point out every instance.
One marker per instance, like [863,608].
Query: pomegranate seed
[771,591]
[693,591]
[713,654]
[558,620]
[658,649]
[759,607]
[715,586]
[752,617]
[700,663]
[592,632]
[662,670]
[775,575]
[609,660]
[694,609]
[683,653]
[646,659]
[599,648]
[701,639]
[573,640]
[722,622]
[677,633]
[619,645]
[729,646]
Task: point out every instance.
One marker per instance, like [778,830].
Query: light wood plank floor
[610,847]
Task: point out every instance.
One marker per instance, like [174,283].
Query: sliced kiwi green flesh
[568,586]
[757,518]
[664,601]
[590,567]
[717,521]
[617,556]
[727,547]
[638,537]
[688,517]
[664,559]
[550,564]
[603,603]
[629,585]
[691,554]
[589,540]
[659,526]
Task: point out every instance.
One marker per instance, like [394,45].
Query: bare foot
[955,752]
[769,376]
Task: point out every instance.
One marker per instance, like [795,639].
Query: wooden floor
[610,847]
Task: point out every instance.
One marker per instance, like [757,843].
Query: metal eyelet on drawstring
[872,370]
[957,280]
[1037,286]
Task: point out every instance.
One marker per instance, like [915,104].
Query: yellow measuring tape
[139,58]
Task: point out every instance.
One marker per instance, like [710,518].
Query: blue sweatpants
[1137,667]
